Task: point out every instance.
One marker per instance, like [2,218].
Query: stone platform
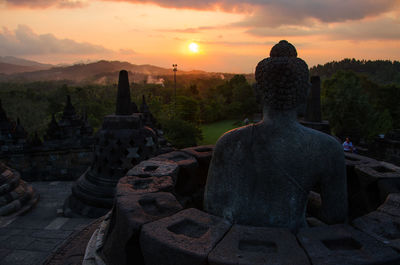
[36,235]
[156,221]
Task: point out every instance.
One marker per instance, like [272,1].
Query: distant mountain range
[16,69]
[23,62]
[12,65]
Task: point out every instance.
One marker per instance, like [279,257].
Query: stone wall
[50,165]
[386,149]
[157,218]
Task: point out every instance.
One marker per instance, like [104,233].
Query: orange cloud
[47,3]
[24,41]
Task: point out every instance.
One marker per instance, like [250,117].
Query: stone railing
[157,218]
[50,164]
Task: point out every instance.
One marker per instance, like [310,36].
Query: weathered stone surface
[185,238]
[130,213]
[382,226]
[135,184]
[371,172]
[155,168]
[342,244]
[188,179]
[203,155]
[359,201]
[391,205]
[313,222]
[353,159]
[248,245]
[377,180]
[184,160]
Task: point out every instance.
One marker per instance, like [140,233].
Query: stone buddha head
[282,79]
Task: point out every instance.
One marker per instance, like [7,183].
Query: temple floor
[33,237]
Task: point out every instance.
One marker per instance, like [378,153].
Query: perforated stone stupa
[122,142]
[71,131]
[12,134]
[16,196]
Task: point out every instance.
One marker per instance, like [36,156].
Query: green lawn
[212,131]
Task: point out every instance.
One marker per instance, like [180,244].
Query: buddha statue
[261,174]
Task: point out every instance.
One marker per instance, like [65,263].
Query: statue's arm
[215,184]
[334,189]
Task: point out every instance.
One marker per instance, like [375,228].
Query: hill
[7,68]
[101,72]
[12,65]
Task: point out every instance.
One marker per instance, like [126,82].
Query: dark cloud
[260,13]
[383,28]
[46,3]
[307,12]
[379,29]
[23,41]
[281,12]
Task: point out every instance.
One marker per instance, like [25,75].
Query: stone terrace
[31,238]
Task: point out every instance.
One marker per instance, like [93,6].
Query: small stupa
[122,142]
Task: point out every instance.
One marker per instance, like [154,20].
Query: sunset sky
[232,35]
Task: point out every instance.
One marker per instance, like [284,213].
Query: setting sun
[194,47]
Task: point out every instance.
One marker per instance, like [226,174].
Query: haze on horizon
[232,36]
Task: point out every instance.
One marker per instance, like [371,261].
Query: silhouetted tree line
[358,107]
[378,71]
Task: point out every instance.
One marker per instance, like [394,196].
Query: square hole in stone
[150,168]
[342,244]
[203,149]
[188,228]
[178,158]
[382,169]
[150,206]
[142,184]
[258,246]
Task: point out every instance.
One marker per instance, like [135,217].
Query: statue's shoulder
[235,137]
[324,141]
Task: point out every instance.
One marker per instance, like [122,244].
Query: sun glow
[194,47]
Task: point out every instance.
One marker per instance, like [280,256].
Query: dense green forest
[380,71]
[359,104]
[204,100]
